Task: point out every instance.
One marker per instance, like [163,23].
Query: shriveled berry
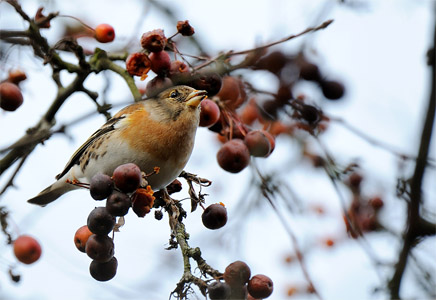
[10,96]
[218,290]
[100,247]
[16,76]
[233,156]
[210,113]
[178,69]
[81,237]
[175,186]
[103,271]
[118,204]
[127,177]
[332,90]
[214,216]
[310,114]
[260,286]
[376,202]
[101,186]
[160,63]
[209,81]
[257,143]
[138,64]
[154,41]
[158,215]
[184,28]
[104,33]
[100,221]
[27,249]
[272,62]
[237,273]
[142,201]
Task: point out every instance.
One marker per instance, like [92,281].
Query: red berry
[101,186]
[10,96]
[118,204]
[27,249]
[210,113]
[104,33]
[257,143]
[138,64]
[127,177]
[100,221]
[232,92]
[81,237]
[100,247]
[103,271]
[154,41]
[233,156]
[237,273]
[376,202]
[160,63]
[184,28]
[214,216]
[260,286]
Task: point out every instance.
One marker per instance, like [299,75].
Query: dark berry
[101,186]
[218,290]
[184,28]
[127,177]
[118,204]
[175,186]
[260,286]
[103,271]
[214,216]
[100,221]
[10,96]
[273,62]
[257,143]
[310,114]
[332,90]
[233,156]
[309,71]
[208,81]
[157,85]
[237,273]
[100,247]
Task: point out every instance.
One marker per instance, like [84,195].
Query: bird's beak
[195,98]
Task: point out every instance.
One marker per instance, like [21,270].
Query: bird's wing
[106,128]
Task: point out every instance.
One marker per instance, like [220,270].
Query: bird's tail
[51,193]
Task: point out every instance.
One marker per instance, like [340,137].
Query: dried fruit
[154,41]
[332,90]
[209,81]
[100,247]
[101,186]
[184,28]
[142,201]
[138,64]
[237,273]
[218,290]
[100,221]
[103,271]
[118,204]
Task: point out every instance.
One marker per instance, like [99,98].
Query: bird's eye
[174,94]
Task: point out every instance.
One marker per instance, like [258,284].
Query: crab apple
[104,33]
[154,41]
[156,85]
[100,247]
[232,92]
[118,204]
[218,290]
[233,156]
[237,273]
[178,70]
[81,237]
[101,186]
[209,81]
[10,96]
[103,271]
[184,28]
[260,286]
[214,216]
[257,143]
[27,249]
[160,62]
[127,177]
[272,62]
[100,221]
[332,90]
[210,113]
[272,140]
[138,64]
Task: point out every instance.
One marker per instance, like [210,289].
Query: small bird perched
[156,132]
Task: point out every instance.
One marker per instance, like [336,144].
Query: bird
[154,132]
